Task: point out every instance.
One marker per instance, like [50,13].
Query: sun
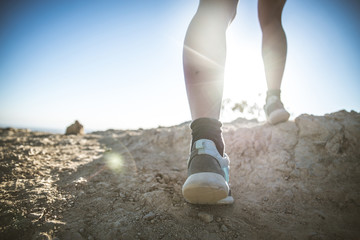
[244,72]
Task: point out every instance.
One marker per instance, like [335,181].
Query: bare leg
[274,45]
[274,49]
[204,60]
[204,56]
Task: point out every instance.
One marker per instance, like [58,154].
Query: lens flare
[114,161]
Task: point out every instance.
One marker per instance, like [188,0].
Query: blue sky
[118,64]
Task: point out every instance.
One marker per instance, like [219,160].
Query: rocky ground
[295,180]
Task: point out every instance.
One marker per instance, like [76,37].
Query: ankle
[273,93]
[208,128]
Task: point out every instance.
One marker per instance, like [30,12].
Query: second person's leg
[274,50]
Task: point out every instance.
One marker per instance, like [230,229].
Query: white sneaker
[275,111]
[208,175]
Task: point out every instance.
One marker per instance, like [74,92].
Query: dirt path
[297,180]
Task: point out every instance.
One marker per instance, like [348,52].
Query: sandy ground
[296,180]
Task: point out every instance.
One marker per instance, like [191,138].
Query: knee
[269,12]
[220,9]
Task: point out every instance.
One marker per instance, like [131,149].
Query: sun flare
[114,161]
[244,74]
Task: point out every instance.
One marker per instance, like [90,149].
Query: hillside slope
[295,180]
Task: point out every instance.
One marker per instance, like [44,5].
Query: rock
[157,199]
[75,129]
[149,216]
[205,217]
[32,152]
[224,228]
[43,236]
[34,215]
[176,199]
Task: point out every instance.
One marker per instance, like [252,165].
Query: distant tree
[246,109]
[251,110]
[240,106]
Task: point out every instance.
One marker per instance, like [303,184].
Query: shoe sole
[205,188]
[277,116]
[226,201]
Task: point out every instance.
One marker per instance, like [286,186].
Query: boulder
[75,129]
